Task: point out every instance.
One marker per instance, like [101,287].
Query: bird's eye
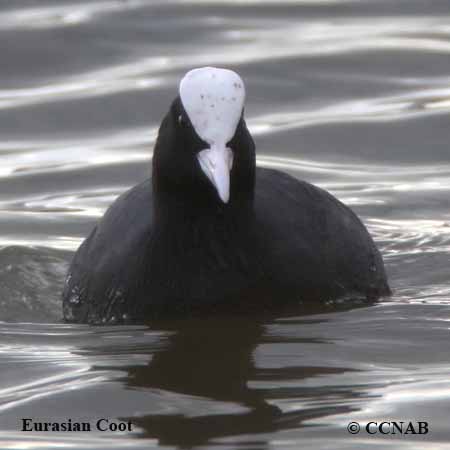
[182,121]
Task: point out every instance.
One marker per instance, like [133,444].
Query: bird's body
[301,244]
[170,246]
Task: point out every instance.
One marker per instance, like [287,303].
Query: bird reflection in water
[213,359]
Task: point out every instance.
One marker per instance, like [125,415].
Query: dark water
[351,95]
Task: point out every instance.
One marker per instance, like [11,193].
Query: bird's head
[204,148]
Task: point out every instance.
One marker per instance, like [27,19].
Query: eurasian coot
[211,232]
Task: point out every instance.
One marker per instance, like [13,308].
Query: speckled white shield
[213,99]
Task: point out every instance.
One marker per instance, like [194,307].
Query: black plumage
[170,246]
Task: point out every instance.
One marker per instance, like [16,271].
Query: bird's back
[306,245]
[109,261]
[314,242]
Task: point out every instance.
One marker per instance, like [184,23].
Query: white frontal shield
[213,100]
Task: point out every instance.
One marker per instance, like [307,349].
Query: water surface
[351,95]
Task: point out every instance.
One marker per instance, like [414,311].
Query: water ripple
[47,16]
[351,95]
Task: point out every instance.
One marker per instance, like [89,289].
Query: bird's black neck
[198,240]
[193,250]
[182,192]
